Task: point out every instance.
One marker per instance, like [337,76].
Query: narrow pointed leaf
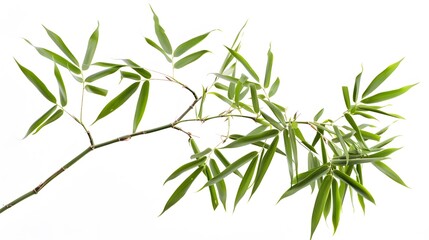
[202,153]
[377,110]
[343,144]
[265,164]
[90,49]
[320,202]
[141,104]
[380,78]
[160,34]
[117,101]
[259,143]
[384,153]
[185,167]
[311,177]
[336,204]
[213,194]
[60,43]
[253,138]
[245,182]
[96,90]
[255,101]
[182,189]
[102,73]
[51,119]
[274,87]
[130,75]
[272,121]
[143,72]
[384,143]
[189,59]
[182,48]
[288,150]
[154,45]
[383,96]
[359,160]
[221,186]
[37,83]
[268,68]
[359,188]
[225,161]
[357,86]
[355,127]
[389,172]
[40,121]
[293,146]
[61,87]
[277,112]
[359,178]
[346,96]
[244,62]
[231,168]
[224,99]
[318,115]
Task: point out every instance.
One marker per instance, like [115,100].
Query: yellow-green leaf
[383,96]
[244,62]
[189,59]
[380,78]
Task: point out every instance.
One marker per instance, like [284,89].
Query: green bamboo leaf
[90,49]
[189,59]
[313,163]
[182,189]
[108,65]
[359,188]
[313,175]
[299,135]
[383,96]
[96,90]
[370,136]
[231,168]
[380,78]
[102,73]
[259,143]
[254,96]
[61,87]
[194,145]
[236,80]
[201,154]
[244,62]
[343,144]
[141,104]
[274,87]
[37,83]
[389,172]
[293,146]
[213,194]
[359,178]
[327,209]
[336,204]
[40,121]
[346,96]
[277,112]
[56,58]
[272,121]
[377,110]
[225,161]
[253,138]
[143,72]
[130,75]
[182,48]
[318,115]
[221,186]
[245,182]
[288,150]
[324,153]
[264,164]
[365,115]
[358,160]
[238,89]
[117,101]
[268,68]
[51,119]
[160,34]
[355,127]
[61,45]
[154,45]
[203,99]
[357,86]
[221,97]
[186,167]
[221,86]
[384,143]
[231,90]
[320,203]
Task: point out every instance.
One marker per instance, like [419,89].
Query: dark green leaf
[221,186]
[51,119]
[245,182]
[102,73]
[61,87]
[225,161]
[90,50]
[265,163]
[160,34]
[357,86]
[383,96]
[274,87]
[213,194]
[377,110]
[182,48]
[359,188]
[380,78]
[96,90]
[268,68]
[189,59]
[130,75]
[311,177]
[244,62]
[360,180]
[346,96]
[182,189]
[60,43]
[320,203]
[154,45]
[37,83]
[231,168]
[141,104]
[336,204]
[389,172]
[40,121]
[293,146]
[143,72]
[185,167]
[194,145]
[117,101]
[108,65]
[253,138]
[353,124]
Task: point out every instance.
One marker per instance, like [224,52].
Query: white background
[117,192]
